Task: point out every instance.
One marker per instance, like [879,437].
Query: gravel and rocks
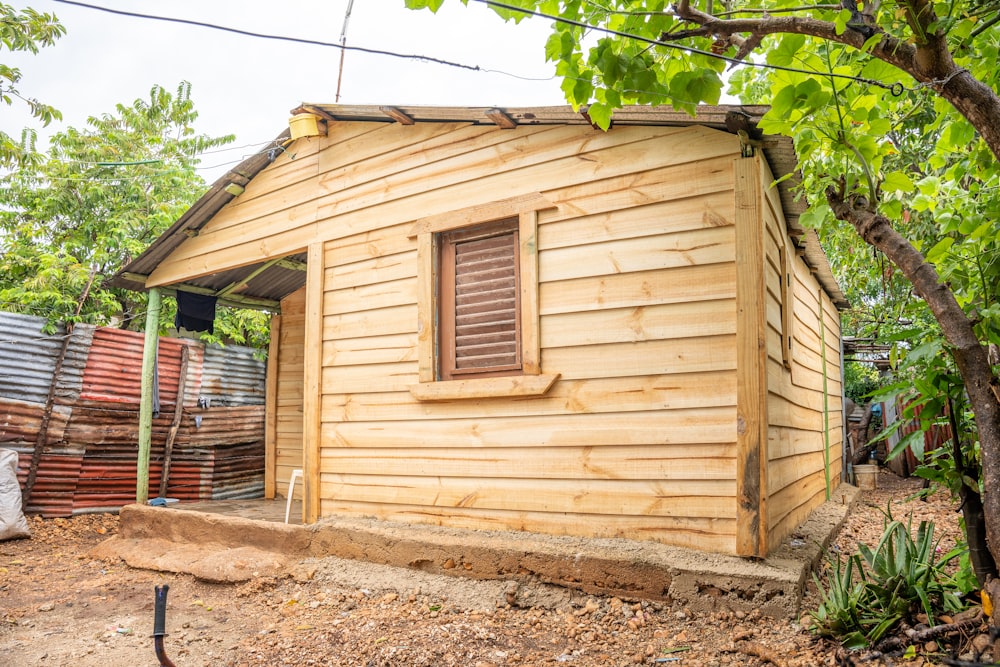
[60,606]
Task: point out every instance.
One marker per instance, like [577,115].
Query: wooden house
[509,319]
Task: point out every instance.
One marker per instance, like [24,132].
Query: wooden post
[271,410]
[826,396]
[168,448]
[149,350]
[312,360]
[751,362]
[43,429]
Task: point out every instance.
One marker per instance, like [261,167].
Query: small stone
[981,642]
[449,564]
[681,636]
[48,606]
[931,647]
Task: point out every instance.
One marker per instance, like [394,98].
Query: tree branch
[930,63]
[970,355]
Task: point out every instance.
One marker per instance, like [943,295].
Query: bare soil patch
[60,606]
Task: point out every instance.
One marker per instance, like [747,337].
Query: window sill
[511,385]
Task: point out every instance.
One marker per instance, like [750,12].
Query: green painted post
[149,349]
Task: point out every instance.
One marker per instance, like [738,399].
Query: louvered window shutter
[480,313]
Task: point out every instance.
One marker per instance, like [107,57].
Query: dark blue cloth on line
[195,312]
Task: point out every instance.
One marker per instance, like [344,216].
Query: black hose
[160,623]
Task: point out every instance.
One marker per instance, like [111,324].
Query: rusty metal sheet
[20,421]
[114,368]
[28,358]
[232,376]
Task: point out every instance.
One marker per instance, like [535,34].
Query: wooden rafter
[397,115]
[501,119]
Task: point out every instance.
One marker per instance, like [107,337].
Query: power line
[896,88]
[281,38]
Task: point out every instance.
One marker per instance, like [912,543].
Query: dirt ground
[60,606]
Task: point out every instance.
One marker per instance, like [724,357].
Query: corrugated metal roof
[271,285]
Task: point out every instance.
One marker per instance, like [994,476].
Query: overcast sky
[246,85]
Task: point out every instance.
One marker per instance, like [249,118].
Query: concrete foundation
[219,547]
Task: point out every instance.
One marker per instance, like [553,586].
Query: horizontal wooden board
[689,426]
[372,377]
[627,394]
[651,357]
[716,535]
[635,462]
[660,217]
[380,242]
[700,246]
[370,350]
[371,271]
[640,187]
[685,284]
[654,322]
[377,322]
[788,470]
[783,441]
[788,508]
[370,297]
[682,498]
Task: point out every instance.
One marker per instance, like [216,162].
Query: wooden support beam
[312,386]
[501,119]
[168,448]
[271,410]
[149,351]
[397,115]
[751,361]
[232,287]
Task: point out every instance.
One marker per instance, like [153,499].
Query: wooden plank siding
[638,327]
[290,373]
[637,437]
[797,465]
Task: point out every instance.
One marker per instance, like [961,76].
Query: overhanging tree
[23,30]
[842,80]
[98,198]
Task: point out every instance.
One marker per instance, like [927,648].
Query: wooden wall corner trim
[751,355]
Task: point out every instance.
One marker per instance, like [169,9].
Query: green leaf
[940,249]
[784,53]
[600,115]
[843,18]
[897,181]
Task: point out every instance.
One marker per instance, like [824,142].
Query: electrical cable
[896,88]
[281,38]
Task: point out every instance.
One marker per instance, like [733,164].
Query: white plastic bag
[12,521]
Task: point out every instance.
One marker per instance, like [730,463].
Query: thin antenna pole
[343,42]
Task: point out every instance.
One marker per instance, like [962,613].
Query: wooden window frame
[529,381]
[785,273]
[447,243]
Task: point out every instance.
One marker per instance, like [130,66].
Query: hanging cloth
[195,312]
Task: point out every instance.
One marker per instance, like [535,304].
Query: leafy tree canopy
[24,30]
[99,197]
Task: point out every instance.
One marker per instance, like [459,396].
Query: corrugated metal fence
[79,395]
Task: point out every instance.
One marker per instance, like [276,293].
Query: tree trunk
[860,455]
[970,355]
